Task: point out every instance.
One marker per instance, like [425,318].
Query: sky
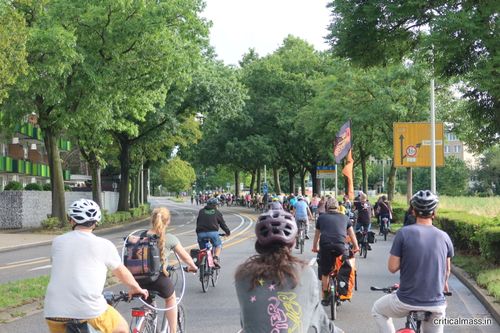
[238,25]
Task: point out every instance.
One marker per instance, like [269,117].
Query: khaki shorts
[105,323]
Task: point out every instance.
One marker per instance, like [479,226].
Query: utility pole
[433,140]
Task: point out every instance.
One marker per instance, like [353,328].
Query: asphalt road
[218,311]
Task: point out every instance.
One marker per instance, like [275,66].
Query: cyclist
[80,261]
[275,204]
[314,205]
[302,214]
[384,210]
[207,226]
[422,253]
[332,228]
[276,290]
[167,242]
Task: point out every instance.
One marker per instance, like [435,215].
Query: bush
[33,187]
[490,279]
[140,211]
[67,188]
[50,223]
[47,187]
[13,186]
[489,243]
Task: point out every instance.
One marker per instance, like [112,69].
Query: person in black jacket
[207,226]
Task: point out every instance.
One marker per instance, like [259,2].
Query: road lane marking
[39,268]
[27,260]
[25,264]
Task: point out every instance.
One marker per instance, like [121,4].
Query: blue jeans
[213,235]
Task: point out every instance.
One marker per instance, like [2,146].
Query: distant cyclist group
[277,291]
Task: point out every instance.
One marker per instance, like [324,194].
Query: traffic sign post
[412,144]
[329,171]
[264,188]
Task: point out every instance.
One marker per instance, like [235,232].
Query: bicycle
[333,284]
[145,317]
[362,236]
[413,318]
[301,235]
[385,227]
[208,271]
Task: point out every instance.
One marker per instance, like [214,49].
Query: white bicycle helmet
[84,210]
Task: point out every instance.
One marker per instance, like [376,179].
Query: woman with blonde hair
[167,243]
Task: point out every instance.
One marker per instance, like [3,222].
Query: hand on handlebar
[134,292]
[355,249]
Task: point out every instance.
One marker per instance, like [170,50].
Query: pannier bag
[345,280]
[142,257]
[371,237]
[194,253]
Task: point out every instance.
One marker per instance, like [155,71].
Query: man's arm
[124,275]
[350,232]
[394,263]
[317,233]
[223,225]
[448,271]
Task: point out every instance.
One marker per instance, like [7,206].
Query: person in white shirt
[80,261]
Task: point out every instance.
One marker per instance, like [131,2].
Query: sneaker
[216,262]
[307,236]
[369,247]
[326,298]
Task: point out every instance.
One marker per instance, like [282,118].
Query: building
[23,157]
[454,147]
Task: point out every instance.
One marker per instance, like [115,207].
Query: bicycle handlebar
[395,287]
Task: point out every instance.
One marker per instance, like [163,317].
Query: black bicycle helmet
[276,227]
[424,203]
[212,202]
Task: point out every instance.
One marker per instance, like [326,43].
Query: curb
[487,301]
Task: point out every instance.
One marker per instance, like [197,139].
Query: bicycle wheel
[204,274]
[356,280]
[385,234]
[215,276]
[147,325]
[181,319]
[333,299]
[365,249]
[301,241]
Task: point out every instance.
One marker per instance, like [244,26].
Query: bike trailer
[142,257]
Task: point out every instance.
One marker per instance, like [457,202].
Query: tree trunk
[303,181]
[391,182]
[252,182]
[291,180]
[146,181]
[316,183]
[258,187]
[56,176]
[95,171]
[236,184]
[363,173]
[123,200]
[276,176]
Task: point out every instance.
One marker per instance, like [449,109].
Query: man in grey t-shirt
[422,253]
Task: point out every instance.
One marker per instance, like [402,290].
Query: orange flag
[347,171]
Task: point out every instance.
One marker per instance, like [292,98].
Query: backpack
[346,279]
[142,257]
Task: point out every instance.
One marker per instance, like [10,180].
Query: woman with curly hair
[276,290]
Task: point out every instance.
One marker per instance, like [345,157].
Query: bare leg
[171,314]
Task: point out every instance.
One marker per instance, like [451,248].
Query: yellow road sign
[412,144]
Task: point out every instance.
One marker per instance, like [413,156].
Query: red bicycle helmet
[276,227]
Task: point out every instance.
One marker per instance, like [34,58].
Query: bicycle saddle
[421,315]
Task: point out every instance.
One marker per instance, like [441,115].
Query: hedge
[33,187]
[118,217]
[470,234]
[13,186]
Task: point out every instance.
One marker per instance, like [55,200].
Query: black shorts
[163,285]
[327,255]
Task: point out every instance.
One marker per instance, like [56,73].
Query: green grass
[21,292]
[484,206]
[484,272]
[490,280]
[177,199]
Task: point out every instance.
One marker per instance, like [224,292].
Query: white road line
[22,261]
[39,268]
[312,262]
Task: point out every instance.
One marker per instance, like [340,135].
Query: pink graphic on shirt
[277,316]
[272,287]
[253,299]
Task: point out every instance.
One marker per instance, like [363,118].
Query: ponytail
[160,220]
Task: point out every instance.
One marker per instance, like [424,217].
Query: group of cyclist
[272,284]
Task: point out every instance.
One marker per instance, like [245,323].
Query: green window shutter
[66,175]
[27,170]
[2,163]
[8,164]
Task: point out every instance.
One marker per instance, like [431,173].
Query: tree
[13,37]
[177,175]
[452,179]
[488,174]
[462,37]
